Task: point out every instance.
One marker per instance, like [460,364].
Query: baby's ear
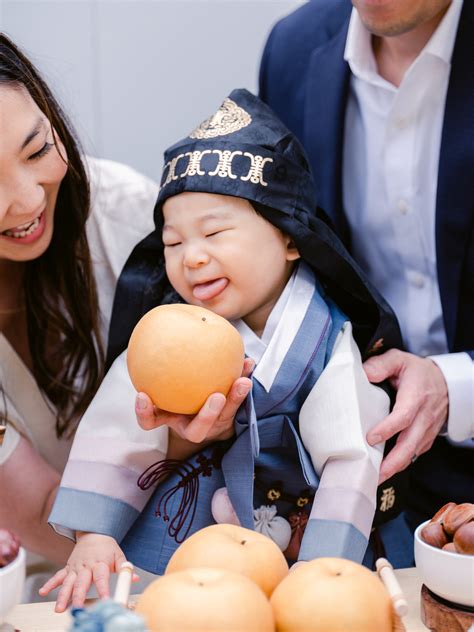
[292,253]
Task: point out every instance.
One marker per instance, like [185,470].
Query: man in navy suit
[381,93]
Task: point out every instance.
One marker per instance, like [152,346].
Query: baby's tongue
[206,291]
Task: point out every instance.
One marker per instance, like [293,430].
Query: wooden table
[40,617]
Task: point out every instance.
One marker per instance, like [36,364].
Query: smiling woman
[16,102]
[58,268]
[33,166]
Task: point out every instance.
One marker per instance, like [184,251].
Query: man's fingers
[384,366]
[420,408]
[101,577]
[410,400]
[81,587]
[412,442]
[396,460]
[64,594]
[400,418]
[52,583]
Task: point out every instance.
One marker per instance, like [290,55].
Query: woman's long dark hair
[59,286]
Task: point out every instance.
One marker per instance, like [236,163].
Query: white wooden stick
[386,574]
[124,581]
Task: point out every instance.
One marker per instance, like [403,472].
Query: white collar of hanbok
[281,327]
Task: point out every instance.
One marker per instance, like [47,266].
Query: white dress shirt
[390,172]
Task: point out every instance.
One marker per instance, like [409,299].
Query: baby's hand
[215,420]
[92,560]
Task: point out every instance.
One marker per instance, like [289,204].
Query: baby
[236,232]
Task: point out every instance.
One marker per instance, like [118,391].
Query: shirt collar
[299,290]
[358,50]
[255,347]
[441,43]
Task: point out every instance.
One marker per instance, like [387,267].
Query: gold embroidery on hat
[172,169]
[255,174]
[194,164]
[223,168]
[228,119]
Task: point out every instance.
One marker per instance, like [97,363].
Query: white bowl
[448,575]
[12,578]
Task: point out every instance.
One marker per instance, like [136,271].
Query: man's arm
[430,392]
[458,372]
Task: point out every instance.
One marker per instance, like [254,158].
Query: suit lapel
[324,123]
[454,204]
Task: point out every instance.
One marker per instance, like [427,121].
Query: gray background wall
[136,75]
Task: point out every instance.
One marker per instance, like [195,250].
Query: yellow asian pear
[332,595]
[180,354]
[205,600]
[234,548]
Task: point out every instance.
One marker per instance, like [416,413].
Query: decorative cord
[189,483]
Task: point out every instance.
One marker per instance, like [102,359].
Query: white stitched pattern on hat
[223,169]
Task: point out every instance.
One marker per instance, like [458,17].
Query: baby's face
[220,254]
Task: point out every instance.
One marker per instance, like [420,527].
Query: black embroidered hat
[245,151]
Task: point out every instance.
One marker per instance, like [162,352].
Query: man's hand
[92,561]
[215,420]
[421,406]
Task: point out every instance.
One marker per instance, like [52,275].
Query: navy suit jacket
[305,79]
